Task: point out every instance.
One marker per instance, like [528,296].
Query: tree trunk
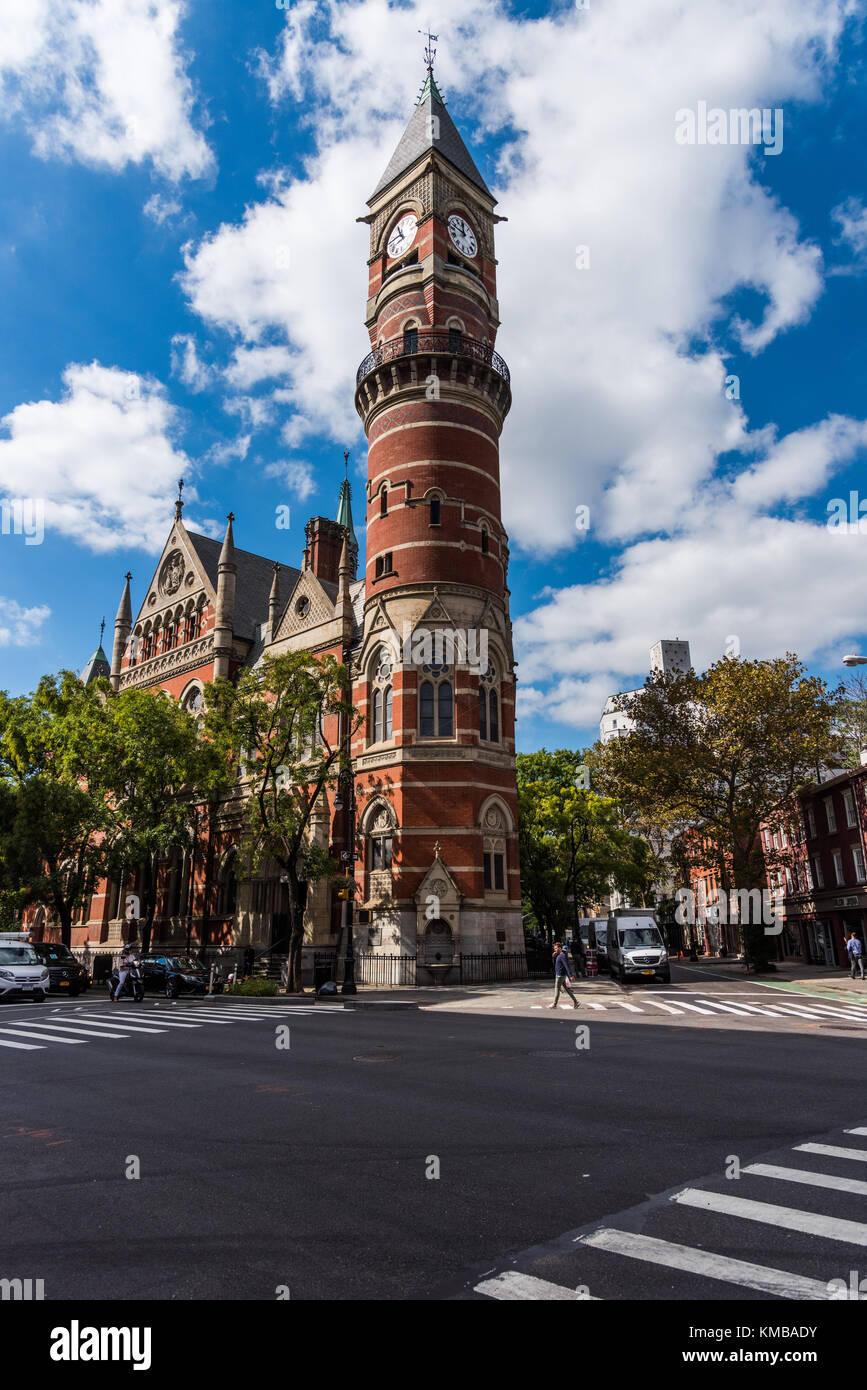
[64,912]
[294,981]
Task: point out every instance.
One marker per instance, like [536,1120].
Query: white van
[21,971]
[635,948]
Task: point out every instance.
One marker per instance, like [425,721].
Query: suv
[65,973]
[21,970]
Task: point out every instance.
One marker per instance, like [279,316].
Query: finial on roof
[101,631]
[430,52]
[346,463]
[179,504]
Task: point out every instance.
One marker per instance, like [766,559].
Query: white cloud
[103,82]
[102,458]
[161,209]
[852,218]
[297,474]
[20,627]
[249,366]
[187,365]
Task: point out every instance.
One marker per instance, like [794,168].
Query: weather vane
[430,52]
[179,505]
[101,631]
[346,463]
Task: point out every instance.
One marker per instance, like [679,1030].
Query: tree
[722,753]
[159,769]
[852,720]
[571,841]
[286,727]
[56,816]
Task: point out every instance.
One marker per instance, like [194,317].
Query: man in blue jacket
[562,976]
[855,953]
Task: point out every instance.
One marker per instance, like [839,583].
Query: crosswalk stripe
[861,1130]
[704,1262]
[825,1009]
[23,1047]
[789,1218]
[43,1037]
[693,1008]
[726,1008]
[117,1022]
[770,1170]
[798,1011]
[660,1004]
[592,1004]
[513,1285]
[623,1005]
[754,1009]
[96,1032]
[832,1151]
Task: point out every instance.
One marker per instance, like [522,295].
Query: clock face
[402,235]
[463,236]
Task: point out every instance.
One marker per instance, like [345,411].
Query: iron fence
[479,970]
[426,344]
[372,969]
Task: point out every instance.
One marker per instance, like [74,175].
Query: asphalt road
[305,1166]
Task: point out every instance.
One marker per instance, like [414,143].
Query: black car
[173,975]
[65,973]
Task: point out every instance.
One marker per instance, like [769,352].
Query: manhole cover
[377,1057]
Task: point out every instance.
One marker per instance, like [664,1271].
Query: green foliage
[572,841]
[720,754]
[275,727]
[257,985]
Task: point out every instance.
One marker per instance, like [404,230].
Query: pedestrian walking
[562,976]
[855,952]
[128,961]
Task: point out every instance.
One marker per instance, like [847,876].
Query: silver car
[22,973]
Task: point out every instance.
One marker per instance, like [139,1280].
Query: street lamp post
[347,857]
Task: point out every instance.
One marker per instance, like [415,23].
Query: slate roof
[253,583]
[417,139]
[97,666]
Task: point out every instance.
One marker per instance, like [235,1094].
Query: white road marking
[43,1037]
[770,1170]
[117,1022]
[754,1009]
[788,1218]
[694,1008]
[96,1031]
[704,1262]
[726,1008]
[660,1004]
[623,1004]
[512,1285]
[24,1047]
[861,1130]
[831,1151]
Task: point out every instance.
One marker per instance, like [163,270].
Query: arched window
[434,511]
[193,699]
[436,703]
[227,888]
[410,338]
[455,337]
[494,827]
[381,702]
[489,706]
[194,624]
[383,500]
[484,540]
[168,637]
[379,831]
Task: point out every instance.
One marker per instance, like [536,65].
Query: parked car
[22,973]
[173,975]
[635,948]
[65,973]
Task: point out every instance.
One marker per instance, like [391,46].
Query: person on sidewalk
[562,976]
[855,953]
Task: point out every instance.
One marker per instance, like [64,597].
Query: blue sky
[184,286]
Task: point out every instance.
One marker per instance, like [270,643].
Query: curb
[382,1004]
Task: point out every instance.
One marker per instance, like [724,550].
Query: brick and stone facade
[434,830]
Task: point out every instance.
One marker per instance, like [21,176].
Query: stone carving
[172,573]
[494,819]
[439,887]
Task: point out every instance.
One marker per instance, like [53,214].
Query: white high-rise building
[667,657]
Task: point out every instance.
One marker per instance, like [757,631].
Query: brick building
[435,798]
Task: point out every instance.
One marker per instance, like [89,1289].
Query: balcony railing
[427,344]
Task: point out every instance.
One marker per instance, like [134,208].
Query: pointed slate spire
[98,664]
[122,625]
[431,128]
[344,516]
[224,614]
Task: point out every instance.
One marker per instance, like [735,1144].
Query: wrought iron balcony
[421,344]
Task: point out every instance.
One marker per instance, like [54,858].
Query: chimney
[324,544]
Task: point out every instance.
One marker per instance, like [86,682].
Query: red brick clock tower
[435,762]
